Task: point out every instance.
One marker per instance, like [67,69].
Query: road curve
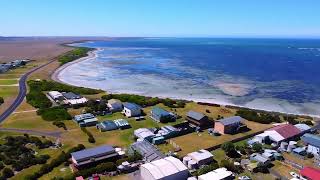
[22,92]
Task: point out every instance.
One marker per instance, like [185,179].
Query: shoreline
[93,54]
[90,55]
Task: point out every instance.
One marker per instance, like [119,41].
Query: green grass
[8,81]
[8,91]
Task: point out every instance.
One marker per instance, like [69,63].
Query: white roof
[54,94]
[302,127]
[143,133]
[273,135]
[164,167]
[200,155]
[217,174]
[76,101]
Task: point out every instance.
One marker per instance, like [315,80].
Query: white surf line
[17,112]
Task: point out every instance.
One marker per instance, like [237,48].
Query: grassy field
[8,81]
[194,141]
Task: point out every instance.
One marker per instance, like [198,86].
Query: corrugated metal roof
[230,120]
[200,155]
[195,115]
[314,140]
[131,106]
[159,111]
[71,95]
[286,130]
[87,153]
[164,167]
[217,174]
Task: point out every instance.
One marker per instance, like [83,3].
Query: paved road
[22,92]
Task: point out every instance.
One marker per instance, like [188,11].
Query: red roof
[79,178]
[286,130]
[310,173]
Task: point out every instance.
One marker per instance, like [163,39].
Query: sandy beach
[91,55]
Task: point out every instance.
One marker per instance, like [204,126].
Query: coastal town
[82,133]
[159,90]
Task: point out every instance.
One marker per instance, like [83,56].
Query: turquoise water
[271,74]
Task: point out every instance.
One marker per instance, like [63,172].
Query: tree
[7,173]
[228,147]
[257,147]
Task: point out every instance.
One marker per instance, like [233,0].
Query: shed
[160,115]
[107,125]
[229,125]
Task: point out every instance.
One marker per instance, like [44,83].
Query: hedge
[54,114]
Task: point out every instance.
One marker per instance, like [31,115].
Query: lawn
[283,169]
[8,91]
[8,81]
[195,141]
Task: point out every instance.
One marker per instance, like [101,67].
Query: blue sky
[227,18]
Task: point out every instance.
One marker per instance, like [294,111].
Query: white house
[313,142]
[218,174]
[131,109]
[56,96]
[201,157]
[168,168]
[114,105]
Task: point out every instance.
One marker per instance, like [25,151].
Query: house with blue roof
[160,115]
[92,155]
[313,142]
[131,109]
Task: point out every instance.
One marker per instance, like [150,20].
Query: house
[229,125]
[84,120]
[201,157]
[262,161]
[168,132]
[147,150]
[168,168]
[313,142]
[144,134]
[278,134]
[92,155]
[73,99]
[198,120]
[310,173]
[218,174]
[160,115]
[56,96]
[131,109]
[106,126]
[114,105]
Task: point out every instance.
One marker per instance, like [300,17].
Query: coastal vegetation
[261,117]
[57,113]
[146,101]
[89,134]
[74,54]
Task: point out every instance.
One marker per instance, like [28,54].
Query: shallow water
[270,74]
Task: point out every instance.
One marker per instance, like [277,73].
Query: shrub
[54,114]
[74,54]
[264,118]
[7,173]
[60,124]
[38,99]
[90,136]
[1,100]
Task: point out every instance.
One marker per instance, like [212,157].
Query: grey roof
[71,95]
[159,111]
[314,140]
[107,125]
[258,157]
[230,120]
[92,152]
[149,151]
[195,115]
[131,106]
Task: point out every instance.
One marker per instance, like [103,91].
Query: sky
[161,18]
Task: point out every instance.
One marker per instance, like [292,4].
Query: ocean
[270,74]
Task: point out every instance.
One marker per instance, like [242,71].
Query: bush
[207,168]
[1,100]
[60,124]
[264,118]
[38,99]
[257,147]
[90,136]
[7,173]
[54,114]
